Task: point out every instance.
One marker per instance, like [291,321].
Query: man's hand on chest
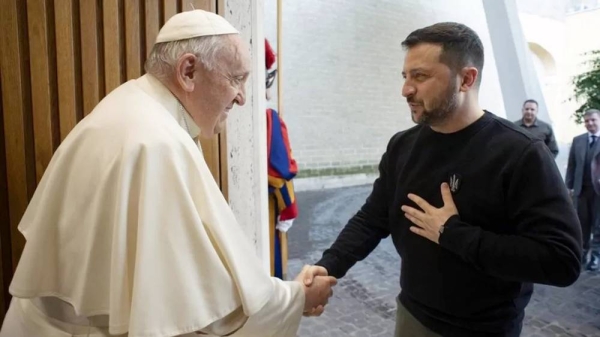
[430,220]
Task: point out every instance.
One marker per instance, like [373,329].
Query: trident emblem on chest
[454,181]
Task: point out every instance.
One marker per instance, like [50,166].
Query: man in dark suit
[583,181]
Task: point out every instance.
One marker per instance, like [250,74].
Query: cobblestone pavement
[364,301]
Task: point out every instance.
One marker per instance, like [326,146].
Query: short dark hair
[531,101]
[461,46]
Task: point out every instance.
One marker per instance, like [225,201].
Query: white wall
[582,36]
[246,134]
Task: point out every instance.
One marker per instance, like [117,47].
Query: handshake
[317,289]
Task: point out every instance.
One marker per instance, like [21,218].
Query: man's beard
[442,108]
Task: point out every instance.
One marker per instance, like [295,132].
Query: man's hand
[317,289]
[430,219]
[571,192]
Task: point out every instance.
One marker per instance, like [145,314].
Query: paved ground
[363,304]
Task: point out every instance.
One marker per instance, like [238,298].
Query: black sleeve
[547,245]
[365,230]
[551,142]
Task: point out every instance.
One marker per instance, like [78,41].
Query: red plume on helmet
[269,55]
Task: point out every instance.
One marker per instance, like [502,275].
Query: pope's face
[216,91]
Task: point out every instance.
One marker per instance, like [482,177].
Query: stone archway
[543,59]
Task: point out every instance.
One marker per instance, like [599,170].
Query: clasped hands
[428,220]
[317,289]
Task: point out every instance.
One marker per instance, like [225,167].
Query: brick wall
[342,63]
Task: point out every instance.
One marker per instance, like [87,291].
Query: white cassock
[128,234]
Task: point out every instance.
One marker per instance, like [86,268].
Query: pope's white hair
[163,57]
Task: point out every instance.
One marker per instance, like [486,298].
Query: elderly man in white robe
[128,234]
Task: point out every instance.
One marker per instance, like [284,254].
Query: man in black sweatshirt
[476,207]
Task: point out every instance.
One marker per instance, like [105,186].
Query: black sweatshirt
[516,226]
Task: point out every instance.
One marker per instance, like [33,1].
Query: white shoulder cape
[128,222]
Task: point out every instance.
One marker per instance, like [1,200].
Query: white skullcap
[196,23]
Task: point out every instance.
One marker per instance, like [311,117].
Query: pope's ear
[185,71]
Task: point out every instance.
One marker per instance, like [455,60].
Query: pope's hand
[317,289]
